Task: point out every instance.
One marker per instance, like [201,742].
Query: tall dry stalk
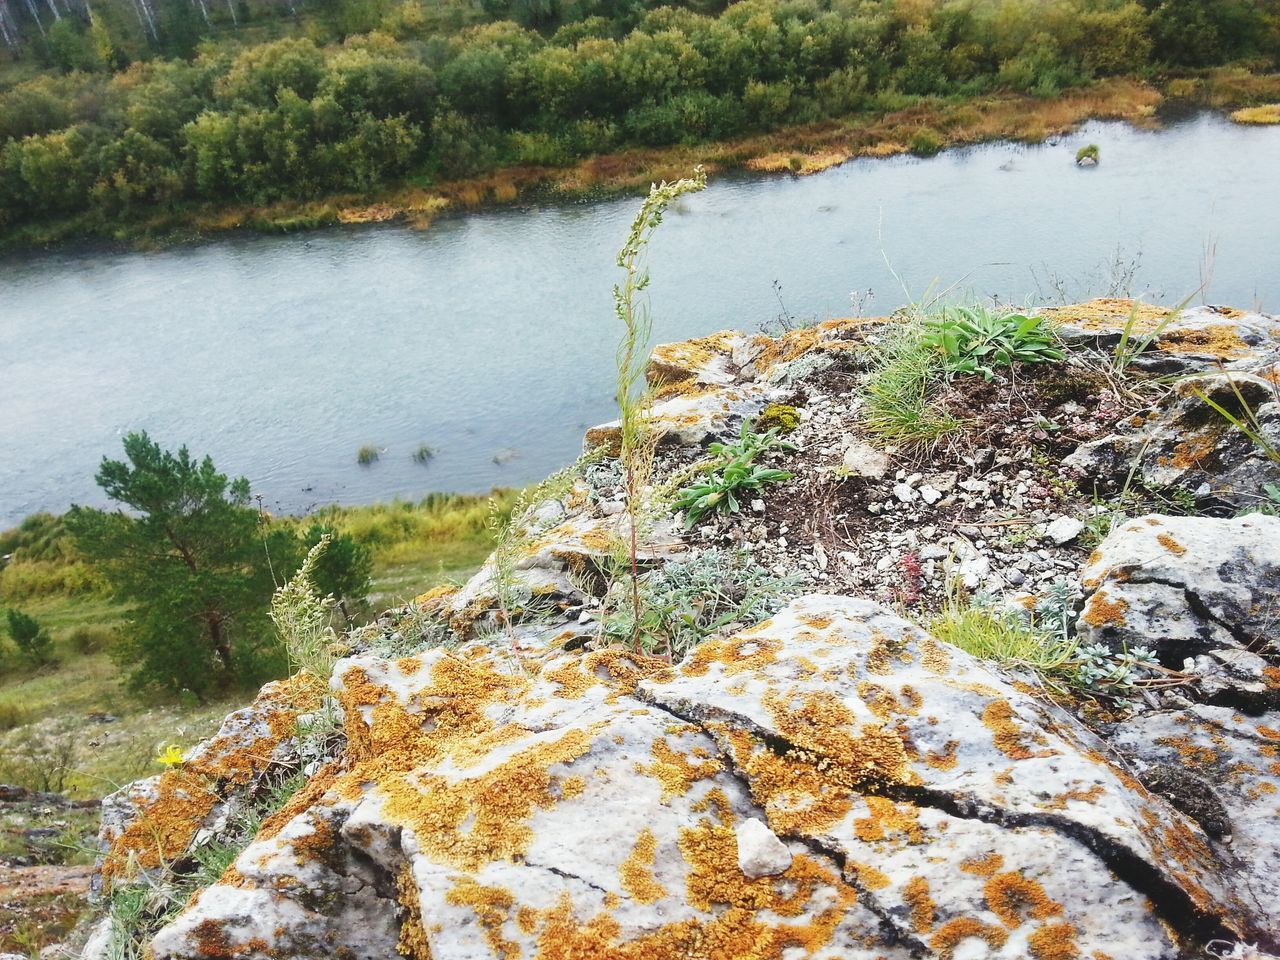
[636,438]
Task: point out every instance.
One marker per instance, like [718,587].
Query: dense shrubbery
[398,99]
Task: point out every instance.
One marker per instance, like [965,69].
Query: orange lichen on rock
[921,905]
[984,866]
[796,796]
[819,723]
[185,795]
[954,932]
[1110,315]
[1172,545]
[1220,340]
[636,871]
[492,908]
[1188,454]
[742,653]
[413,941]
[1010,895]
[1009,737]
[1054,941]
[888,819]
[675,770]
[1102,610]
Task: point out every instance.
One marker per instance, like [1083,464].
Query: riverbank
[923,127]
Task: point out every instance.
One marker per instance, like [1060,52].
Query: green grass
[904,370]
[1000,636]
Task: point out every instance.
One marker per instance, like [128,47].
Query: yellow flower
[171,757]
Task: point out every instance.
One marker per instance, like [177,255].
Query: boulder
[1235,760]
[1185,587]
[1187,444]
[833,783]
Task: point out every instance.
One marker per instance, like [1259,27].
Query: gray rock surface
[1185,586]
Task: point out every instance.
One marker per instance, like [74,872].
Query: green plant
[637,440]
[90,638]
[925,142]
[367,455]
[731,475]
[974,340]
[686,601]
[985,630]
[31,639]
[301,617]
[896,389]
[1091,153]
[424,454]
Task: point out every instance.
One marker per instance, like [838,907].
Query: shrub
[31,639]
[11,715]
[1089,153]
[423,454]
[90,638]
[366,455]
[925,143]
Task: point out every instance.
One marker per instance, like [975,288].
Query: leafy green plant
[974,340]
[896,390]
[637,440]
[732,475]
[686,601]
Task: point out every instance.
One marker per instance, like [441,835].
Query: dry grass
[1266,114]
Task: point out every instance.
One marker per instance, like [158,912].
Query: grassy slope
[415,547]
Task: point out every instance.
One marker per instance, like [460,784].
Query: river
[490,337]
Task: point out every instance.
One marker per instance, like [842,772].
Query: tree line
[546,82]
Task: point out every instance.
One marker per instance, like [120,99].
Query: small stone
[864,460]
[904,492]
[1064,530]
[930,494]
[757,506]
[760,852]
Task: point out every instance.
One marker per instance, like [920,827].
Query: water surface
[490,337]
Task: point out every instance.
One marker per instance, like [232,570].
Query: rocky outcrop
[834,782]
[1187,587]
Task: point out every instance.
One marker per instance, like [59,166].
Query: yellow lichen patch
[883,650]
[675,770]
[571,787]
[885,703]
[1102,610]
[945,759]
[1008,736]
[673,362]
[435,598]
[636,871]
[1268,113]
[1271,675]
[985,866]
[744,652]
[818,722]
[796,796]
[492,908]
[186,795]
[817,623]
[1012,897]
[933,656]
[413,941]
[916,895]
[868,877]
[1219,340]
[1170,544]
[954,932]
[887,819]
[1110,315]
[1188,453]
[1054,941]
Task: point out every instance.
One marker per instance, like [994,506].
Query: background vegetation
[148,106]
